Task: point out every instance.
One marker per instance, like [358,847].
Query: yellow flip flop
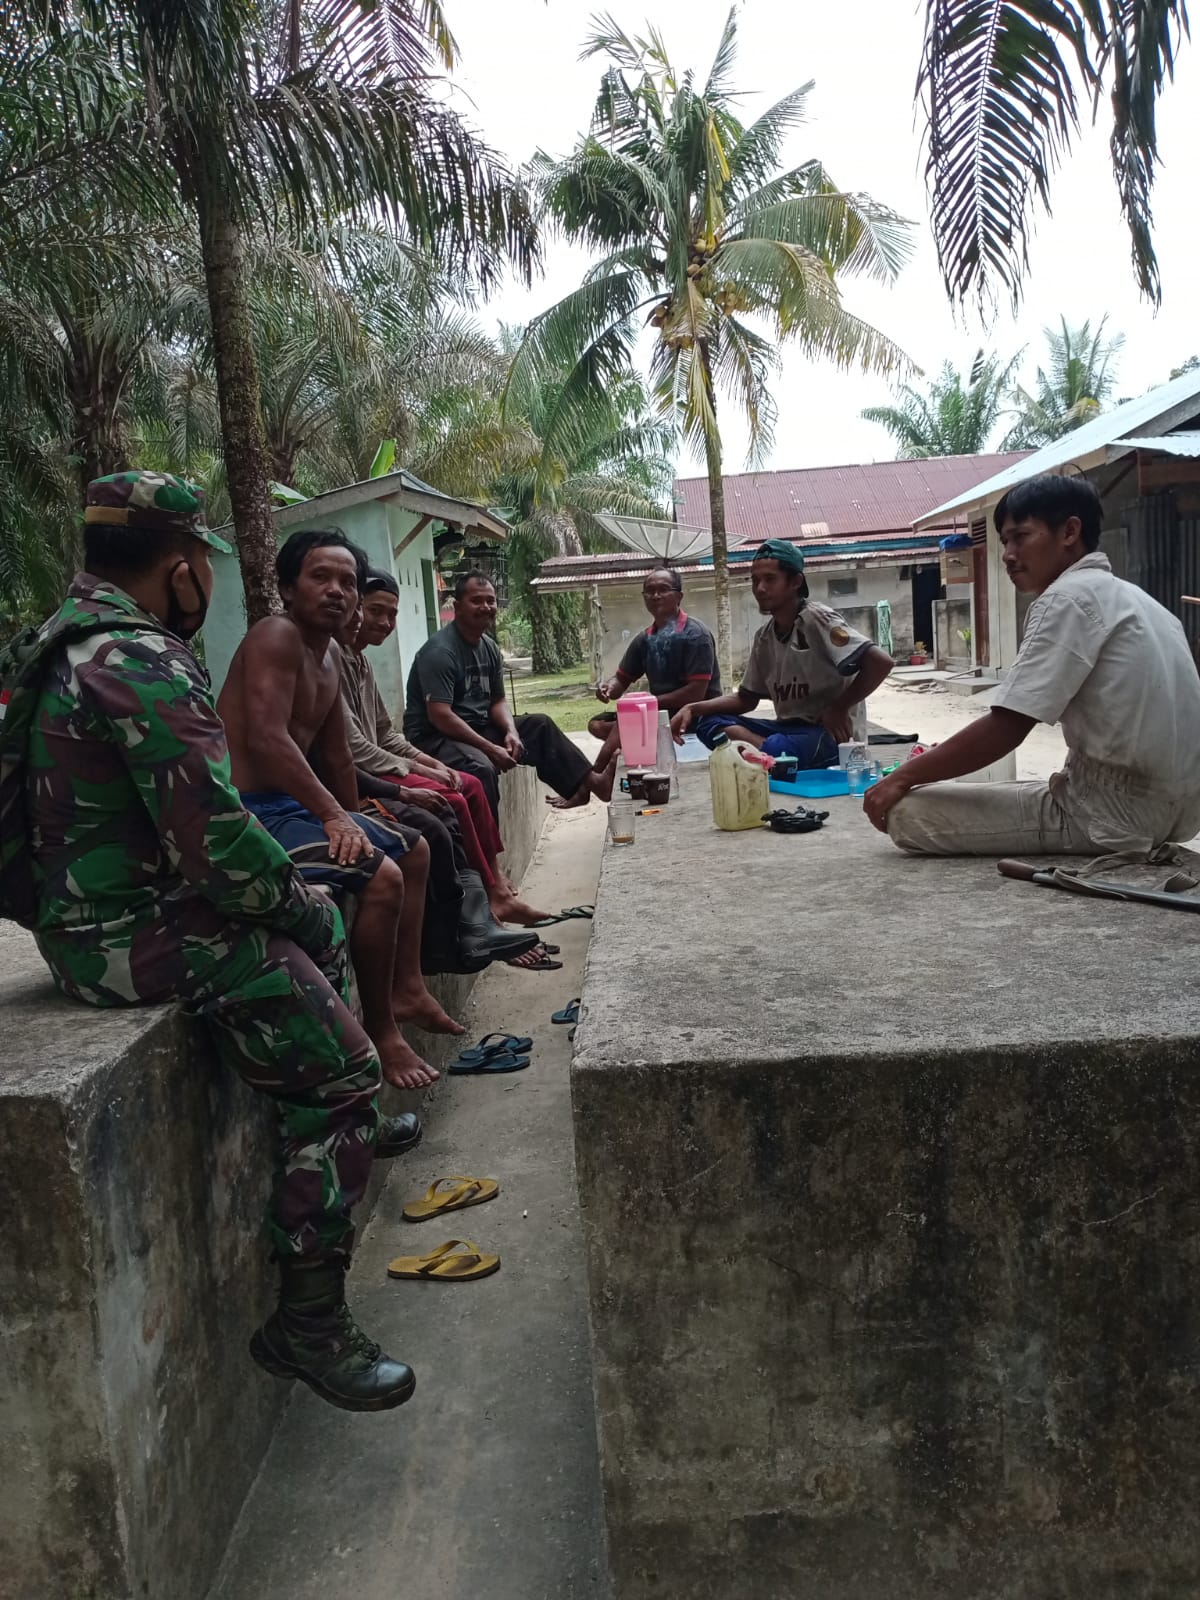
[456,1261]
[438,1200]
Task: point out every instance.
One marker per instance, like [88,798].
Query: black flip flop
[535,960]
[506,1061]
[584,913]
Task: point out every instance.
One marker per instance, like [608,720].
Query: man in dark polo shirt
[456,710]
[676,655]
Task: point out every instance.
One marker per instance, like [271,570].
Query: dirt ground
[935,712]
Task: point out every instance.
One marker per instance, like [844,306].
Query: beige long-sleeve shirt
[376,744]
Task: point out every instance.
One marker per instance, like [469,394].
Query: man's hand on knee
[347,842]
[881,797]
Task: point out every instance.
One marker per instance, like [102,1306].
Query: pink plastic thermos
[637,722]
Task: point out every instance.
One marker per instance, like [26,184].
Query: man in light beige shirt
[1102,658]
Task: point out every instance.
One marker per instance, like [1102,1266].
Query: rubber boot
[439,936]
[313,1337]
[481,939]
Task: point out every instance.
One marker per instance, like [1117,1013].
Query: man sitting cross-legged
[676,654]
[150,882]
[281,707]
[378,747]
[817,670]
[456,709]
[1101,657]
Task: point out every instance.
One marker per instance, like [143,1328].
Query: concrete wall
[950,617]
[624,613]
[379,528]
[892,1243]
[134,1171]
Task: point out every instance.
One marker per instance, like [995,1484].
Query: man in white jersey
[1100,657]
[817,670]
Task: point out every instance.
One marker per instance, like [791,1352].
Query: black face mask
[185,624]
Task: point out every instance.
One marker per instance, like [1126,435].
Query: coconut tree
[311,110]
[1072,388]
[705,239]
[1002,83]
[954,417]
[555,502]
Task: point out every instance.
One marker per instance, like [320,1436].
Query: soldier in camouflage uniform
[154,883]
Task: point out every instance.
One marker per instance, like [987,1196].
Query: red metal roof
[877,497]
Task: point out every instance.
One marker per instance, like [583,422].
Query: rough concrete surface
[133,1174]
[888,1174]
[486,1484]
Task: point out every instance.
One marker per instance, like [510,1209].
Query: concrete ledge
[888,1172]
[133,1177]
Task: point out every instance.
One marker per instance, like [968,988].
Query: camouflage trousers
[281,1021]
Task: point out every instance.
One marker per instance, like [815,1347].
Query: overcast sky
[528,89]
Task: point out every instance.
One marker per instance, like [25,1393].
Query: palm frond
[998,79]
[756,154]
[852,233]
[1139,54]
[717,86]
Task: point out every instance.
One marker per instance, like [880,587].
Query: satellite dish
[669,541]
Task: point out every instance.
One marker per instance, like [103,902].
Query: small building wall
[624,612]
[379,527]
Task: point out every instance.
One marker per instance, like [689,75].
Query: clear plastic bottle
[740,793]
[666,761]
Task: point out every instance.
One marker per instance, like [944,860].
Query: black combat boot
[397,1134]
[313,1337]
[481,939]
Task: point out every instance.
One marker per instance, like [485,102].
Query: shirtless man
[282,710]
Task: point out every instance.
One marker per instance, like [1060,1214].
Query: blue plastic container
[818,783]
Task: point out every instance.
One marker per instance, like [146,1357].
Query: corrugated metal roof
[1171,444]
[834,502]
[553,578]
[1164,408]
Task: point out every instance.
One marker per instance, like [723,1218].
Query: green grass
[566,697]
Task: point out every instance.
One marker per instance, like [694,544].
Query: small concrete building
[405,527]
[855,524]
[1144,458]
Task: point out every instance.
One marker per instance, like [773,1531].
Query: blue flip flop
[506,1061]
[569,1013]
[492,1045]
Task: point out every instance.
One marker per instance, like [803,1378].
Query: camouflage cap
[158,502]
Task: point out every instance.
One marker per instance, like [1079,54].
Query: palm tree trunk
[242,433]
[595,633]
[716,510]
[545,645]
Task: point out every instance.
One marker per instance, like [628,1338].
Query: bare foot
[579,798]
[420,1008]
[509,908]
[602,782]
[402,1066]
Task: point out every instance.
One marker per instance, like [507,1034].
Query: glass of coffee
[620,819]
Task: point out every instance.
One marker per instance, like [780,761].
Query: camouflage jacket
[145,858]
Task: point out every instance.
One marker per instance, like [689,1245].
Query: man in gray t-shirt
[456,710]
[817,670]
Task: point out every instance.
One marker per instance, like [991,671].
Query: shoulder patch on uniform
[839,636]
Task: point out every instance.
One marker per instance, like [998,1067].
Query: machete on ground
[1102,888]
